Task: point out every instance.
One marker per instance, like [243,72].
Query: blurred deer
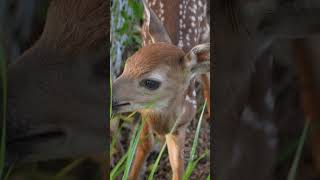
[57,90]
[244,32]
[162,74]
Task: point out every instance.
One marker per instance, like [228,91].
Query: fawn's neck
[178,113]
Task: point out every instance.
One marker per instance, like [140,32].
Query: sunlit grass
[124,164]
[119,168]
[193,161]
[132,149]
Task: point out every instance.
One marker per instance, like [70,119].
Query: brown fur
[169,55]
[76,25]
[58,85]
[171,24]
[162,57]
[310,97]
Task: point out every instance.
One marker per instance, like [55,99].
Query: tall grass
[193,161]
[132,149]
[4,110]
[294,166]
[64,171]
[124,164]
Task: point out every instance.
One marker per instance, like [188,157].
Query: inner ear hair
[199,53]
[200,68]
[198,59]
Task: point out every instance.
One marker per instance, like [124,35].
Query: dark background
[21,23]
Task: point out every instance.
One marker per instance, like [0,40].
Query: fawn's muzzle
[116,105]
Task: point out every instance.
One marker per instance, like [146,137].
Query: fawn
[163,75]
[57,88]
[244,33]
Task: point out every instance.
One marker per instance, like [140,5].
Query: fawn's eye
[150,84]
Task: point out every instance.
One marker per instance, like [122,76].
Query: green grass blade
[192,166]
[156,164]
[110,101]
[113,140]
[6,177]
[68,168]
[194,145]
[118,166]
[132,149]
[293,170]
[208,178]
[122,168]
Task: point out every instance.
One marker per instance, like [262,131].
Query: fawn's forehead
[151,57]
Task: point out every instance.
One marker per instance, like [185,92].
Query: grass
[294,166]
[4,110]
[119,168]
[123,165]
[132,149]
[193,161]
[64,171]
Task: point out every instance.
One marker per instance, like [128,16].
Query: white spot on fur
[194,106]
[251,119]
[192,101]
[192,9]
[269,101]
[180,44]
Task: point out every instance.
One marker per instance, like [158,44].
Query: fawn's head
[57,88]
[158,73]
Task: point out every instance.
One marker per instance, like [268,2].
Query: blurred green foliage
[126,19]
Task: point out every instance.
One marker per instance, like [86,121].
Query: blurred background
[21,23]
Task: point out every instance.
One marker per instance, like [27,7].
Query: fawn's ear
[154,26]
[197,60]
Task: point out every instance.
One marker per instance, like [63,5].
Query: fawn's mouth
[117,107]
[37,137]
[21,147]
